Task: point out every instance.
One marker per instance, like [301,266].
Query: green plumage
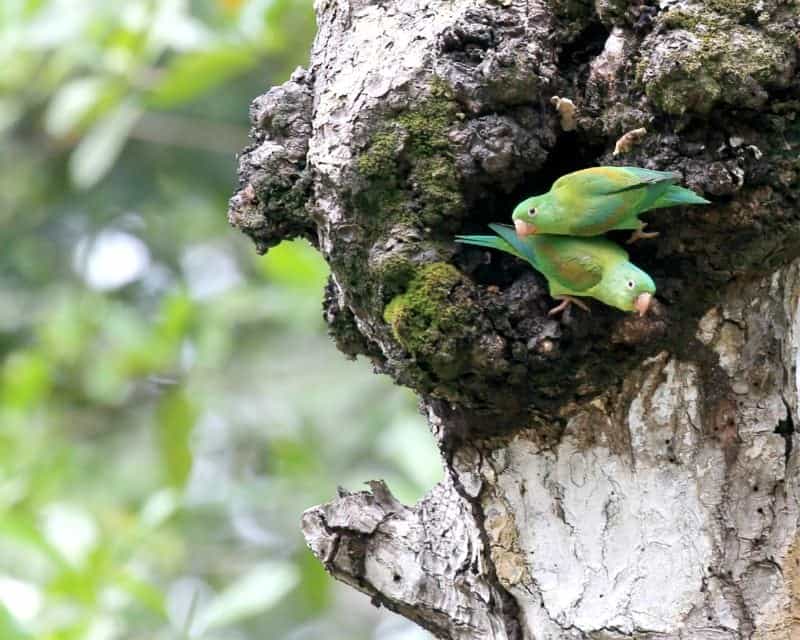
[592,201]
[580,267]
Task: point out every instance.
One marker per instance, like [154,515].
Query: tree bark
[608,477]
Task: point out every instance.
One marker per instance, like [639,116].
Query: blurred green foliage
[169,401]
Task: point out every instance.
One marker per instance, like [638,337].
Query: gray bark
[608,477]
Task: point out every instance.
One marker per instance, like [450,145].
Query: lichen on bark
[708,53]
[409,160]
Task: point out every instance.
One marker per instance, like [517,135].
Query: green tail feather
[522,247]
[505,240]
[490,242]
[675,196]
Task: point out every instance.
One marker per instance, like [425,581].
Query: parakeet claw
[640,234]
[565,302]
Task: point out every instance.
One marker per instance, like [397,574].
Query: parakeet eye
[532,211]
[631,284]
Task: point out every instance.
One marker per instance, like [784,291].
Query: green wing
[576,264]
[602,198]
[603,181]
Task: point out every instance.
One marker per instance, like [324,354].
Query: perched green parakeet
[592,201]
[577,267]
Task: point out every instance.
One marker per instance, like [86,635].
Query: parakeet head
[629,288]
[535,215]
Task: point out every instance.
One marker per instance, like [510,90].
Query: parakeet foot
[565,302]
[641,234]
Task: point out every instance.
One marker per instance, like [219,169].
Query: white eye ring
[630,284]
[532,211]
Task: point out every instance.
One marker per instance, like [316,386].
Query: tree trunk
[608,476]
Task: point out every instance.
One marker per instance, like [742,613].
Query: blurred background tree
[169,401]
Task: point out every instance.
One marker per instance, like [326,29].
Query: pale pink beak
[524,228]
[642,303]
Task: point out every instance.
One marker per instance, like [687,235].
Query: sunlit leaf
[9,629]
[70,104]
[176,314]
[55,24]
[25,379]
[159,508]
[184,596]
[176,416]
[11,110]
[104,383]
[144,593]
[173,26]
[290,457]
[255,592]
[407,443]
[194,74]
[295,264]
[97,152]
[71,529]
[22,529]
[316,583]
[68,329]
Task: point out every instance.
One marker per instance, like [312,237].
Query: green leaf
[144,593]
[66,335]
[315,591]
[295,264]
[104,383]
[22,529]
[191,75]
[294,458]
[177,312]
[255,592]
[101,146]
[70,104]
[159,508]
[176,415]
[8,627]
[11,110]
[25,379]
[407,443]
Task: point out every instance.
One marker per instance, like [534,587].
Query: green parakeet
[592,201]
[577,267]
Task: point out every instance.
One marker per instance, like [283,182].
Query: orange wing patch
[578,272]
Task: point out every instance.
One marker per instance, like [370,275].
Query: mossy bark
[608,476]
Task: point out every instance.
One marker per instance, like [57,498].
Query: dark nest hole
[570,153]
[658,257]
[583,338]
[584,48]
[579,330]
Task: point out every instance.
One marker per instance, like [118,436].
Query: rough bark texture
[608,476]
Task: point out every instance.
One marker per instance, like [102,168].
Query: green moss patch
[713,58]
[408,161]
[431,320]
